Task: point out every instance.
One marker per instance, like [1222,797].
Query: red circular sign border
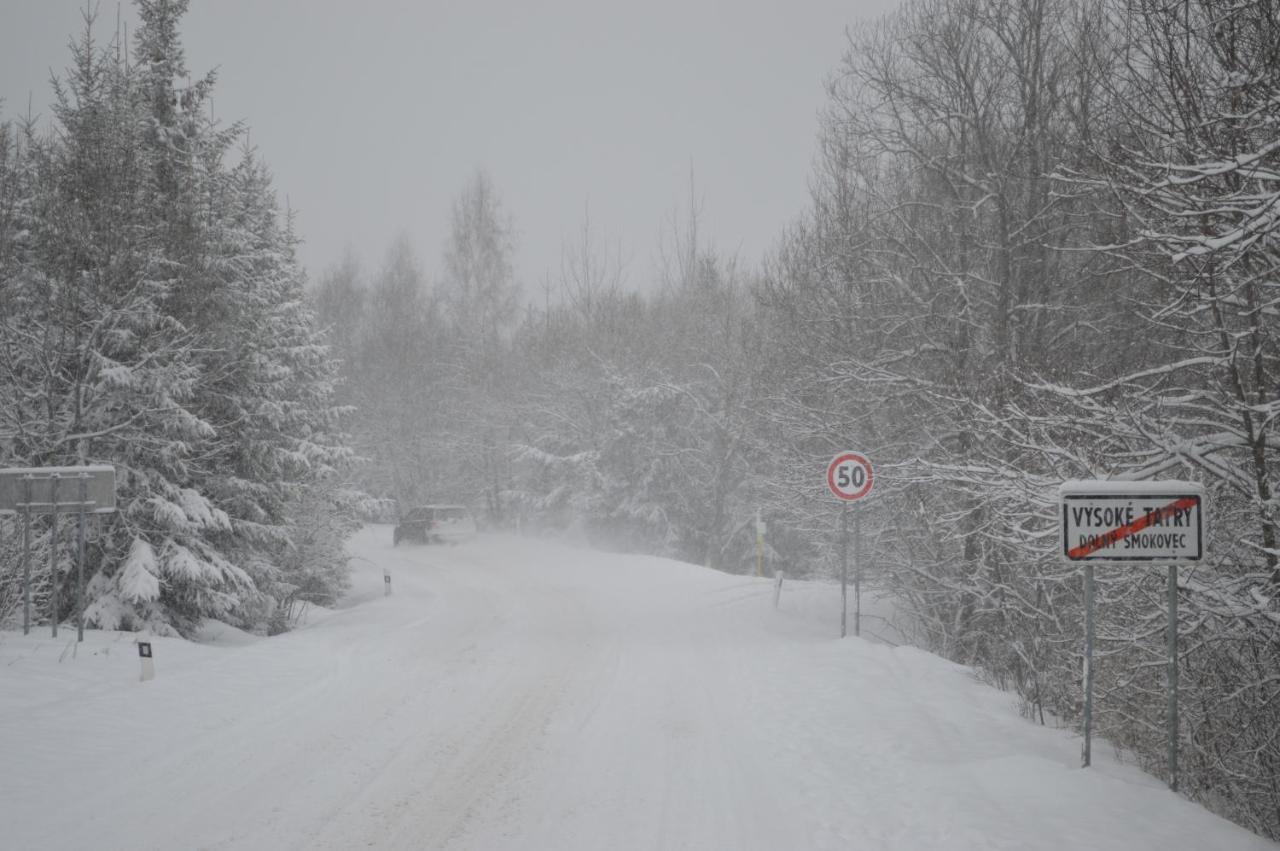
[831,474]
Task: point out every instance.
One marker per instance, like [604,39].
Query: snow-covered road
[519,694]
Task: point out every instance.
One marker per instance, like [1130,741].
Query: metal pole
[26,557]
[1088,664]
[844,568]
[84,497]
[1173,677]
[759,546]
[53,551]
[857,573]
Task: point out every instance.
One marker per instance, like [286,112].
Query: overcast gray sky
[373,114]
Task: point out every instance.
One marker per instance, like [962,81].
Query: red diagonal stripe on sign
[1108,538]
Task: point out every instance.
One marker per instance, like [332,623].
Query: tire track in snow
[537,660]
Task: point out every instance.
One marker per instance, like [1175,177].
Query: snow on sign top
[849,476]
[1131,521]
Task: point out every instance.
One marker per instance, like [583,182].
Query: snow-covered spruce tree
[17,191]
[269,388]
[265,379]
[117,345]
[99,365]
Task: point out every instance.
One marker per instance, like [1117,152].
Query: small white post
[148,664]
[777,589]
[386,582]
[759,544]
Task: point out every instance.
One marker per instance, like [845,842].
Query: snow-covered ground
[517,694]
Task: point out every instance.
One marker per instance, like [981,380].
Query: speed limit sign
[849,476]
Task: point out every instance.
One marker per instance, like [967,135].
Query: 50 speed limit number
[849,476]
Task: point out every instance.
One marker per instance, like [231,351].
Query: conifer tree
[154,320]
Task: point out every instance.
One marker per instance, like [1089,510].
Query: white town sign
[1131,521]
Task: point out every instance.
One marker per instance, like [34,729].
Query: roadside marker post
[850,478]
[148,663]
[386,582]
[1154,521]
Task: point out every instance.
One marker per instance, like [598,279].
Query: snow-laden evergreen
[153,319]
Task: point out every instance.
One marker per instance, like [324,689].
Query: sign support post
[1153,521]
[850,478]
[84,498]
[1172,711]
[26,555]
[844,570]
[53,553]
[759,544]
[857,574]
[35,490]
[1087,754]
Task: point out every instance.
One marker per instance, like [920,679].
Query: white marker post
[850,478]
[1132,521]
[386,582]
[148,664]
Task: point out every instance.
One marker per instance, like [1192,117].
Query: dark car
[435,524]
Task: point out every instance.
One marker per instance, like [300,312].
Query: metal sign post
[36,490]
[53,551]
[1171,713]
[84,498]
[850,478]
[760,529]
[1132,521]
[26,556]
[857,574]
[1086,756]
[844,570]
